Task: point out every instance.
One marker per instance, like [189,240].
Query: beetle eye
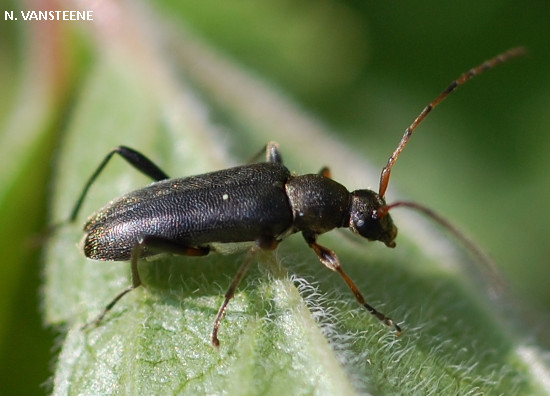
[367,225]
[369,219]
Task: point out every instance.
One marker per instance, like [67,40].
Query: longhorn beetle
[259,202]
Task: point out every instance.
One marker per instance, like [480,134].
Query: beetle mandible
[259,202]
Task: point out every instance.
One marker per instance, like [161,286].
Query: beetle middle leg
[331,261]
[155,244]
[230,293]
[271,151]
[265,243]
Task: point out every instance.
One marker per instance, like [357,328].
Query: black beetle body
[241,204]
[260,203]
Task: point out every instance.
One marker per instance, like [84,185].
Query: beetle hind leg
[134,158]
[151,244]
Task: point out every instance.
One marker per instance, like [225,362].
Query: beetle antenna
[489,64]
[498,284]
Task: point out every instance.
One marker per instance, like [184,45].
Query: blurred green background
[365,68]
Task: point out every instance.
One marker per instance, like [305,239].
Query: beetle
[258,202]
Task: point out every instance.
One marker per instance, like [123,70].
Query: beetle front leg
[331,261]
[325,171]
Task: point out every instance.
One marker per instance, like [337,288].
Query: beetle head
[369,218]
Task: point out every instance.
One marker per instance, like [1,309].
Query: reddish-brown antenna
[385,176]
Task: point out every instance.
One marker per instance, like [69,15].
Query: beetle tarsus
[107,308]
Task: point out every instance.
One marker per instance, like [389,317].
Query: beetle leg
[325,171]
[230,293]
[272,154]
[134,158]
[331,261]
[264,243]
[155,244]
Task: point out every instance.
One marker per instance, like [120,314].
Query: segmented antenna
[493,279]
[489,64]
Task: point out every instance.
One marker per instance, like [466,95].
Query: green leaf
[294,334]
